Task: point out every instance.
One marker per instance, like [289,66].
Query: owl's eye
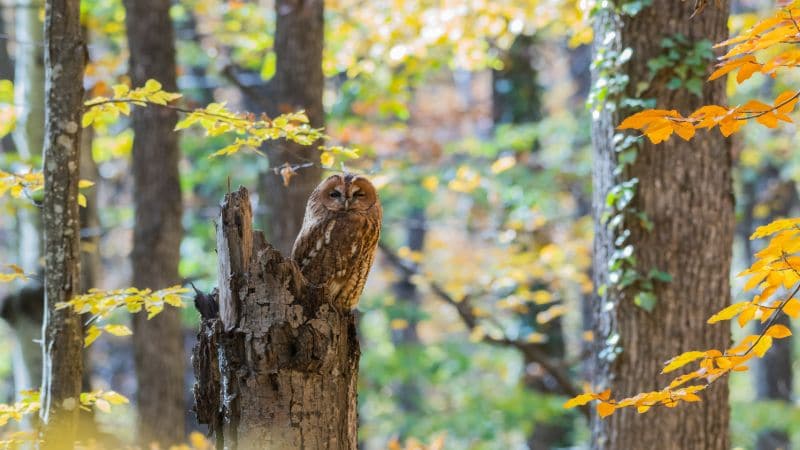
[359,194]
[336,194]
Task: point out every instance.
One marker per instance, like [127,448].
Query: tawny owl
[336,246]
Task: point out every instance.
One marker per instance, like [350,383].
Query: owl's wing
[309,251]
[360,256]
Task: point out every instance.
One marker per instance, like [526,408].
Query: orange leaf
[785,102]
[605,409]
[769,120]
[747,70]
[730,66]
[684,129]
[792,308]
[659,130]
[762,346]
[580,400]
[730,125]
[642,119]
[778,331]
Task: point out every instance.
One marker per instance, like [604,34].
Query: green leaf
[645,300]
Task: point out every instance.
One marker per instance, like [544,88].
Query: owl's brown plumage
[336,246]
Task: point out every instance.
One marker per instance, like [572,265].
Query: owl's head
[347,192]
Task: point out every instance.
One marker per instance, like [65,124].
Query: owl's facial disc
[347,193]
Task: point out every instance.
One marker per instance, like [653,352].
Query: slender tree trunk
[158,348]
[408,392]
[685,189]
[27,138]
[298,84]
[6,73]
[28,134]
[278,369]
[29,79]
[65,59]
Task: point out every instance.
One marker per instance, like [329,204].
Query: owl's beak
[347,203]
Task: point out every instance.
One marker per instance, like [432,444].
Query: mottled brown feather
[337,243]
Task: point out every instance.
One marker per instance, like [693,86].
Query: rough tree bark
[685,189]
[65,59]
[278,368]
[158,348]
[298,84]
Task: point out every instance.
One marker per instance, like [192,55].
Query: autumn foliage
[776,269]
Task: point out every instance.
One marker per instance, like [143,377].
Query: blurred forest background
[471,119]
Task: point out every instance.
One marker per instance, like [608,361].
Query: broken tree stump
[278,368]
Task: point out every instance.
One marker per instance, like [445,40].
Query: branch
[464,310]
[253,91]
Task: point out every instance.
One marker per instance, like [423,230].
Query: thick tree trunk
[298,84]
[158,348]
[685,190]
[65,59]
[278,368]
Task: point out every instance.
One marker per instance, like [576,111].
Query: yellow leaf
[398,324]
[430,183]
[761,347]
[503,164]
[152,86]
[115,398]
[82,200]
[326,159]
[92,333]
[89,116]
[747,315]
[729,312]
[118,330]
[681,360]
[120,90]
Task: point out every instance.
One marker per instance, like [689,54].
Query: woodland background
[470,116]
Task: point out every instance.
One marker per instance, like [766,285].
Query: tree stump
[278,368]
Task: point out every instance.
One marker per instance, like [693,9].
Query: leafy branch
[101,304]
[216,119]
[776,268]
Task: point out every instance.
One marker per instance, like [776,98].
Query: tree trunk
[65,59]
[408,392]
[29,81]
[6,73]
[297,84]
[158,348]
[684,188]
[278,368]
